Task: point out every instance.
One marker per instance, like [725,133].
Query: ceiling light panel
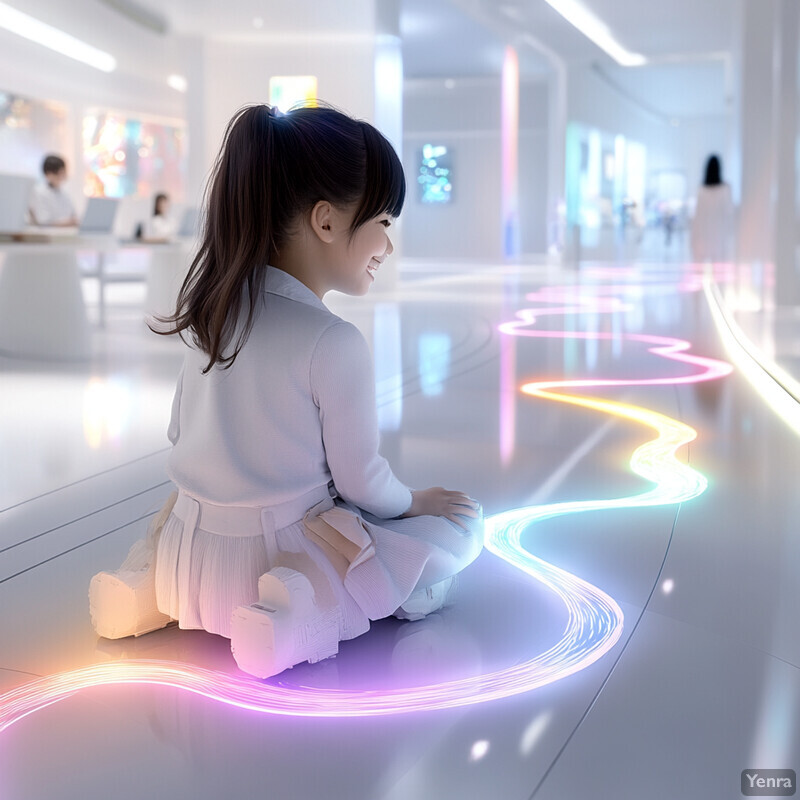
[46,35]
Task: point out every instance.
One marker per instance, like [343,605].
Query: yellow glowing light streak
[655,460]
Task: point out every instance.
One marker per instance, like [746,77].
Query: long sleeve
[343,387]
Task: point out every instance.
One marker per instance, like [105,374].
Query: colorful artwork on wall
[125,155]
[29,129]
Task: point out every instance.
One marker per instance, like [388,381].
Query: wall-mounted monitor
[434,177]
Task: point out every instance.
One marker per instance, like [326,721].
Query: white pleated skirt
[202,575]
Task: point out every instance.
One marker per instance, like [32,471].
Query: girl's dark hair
[53,164]
[713,172]
[273,168]
[159,197]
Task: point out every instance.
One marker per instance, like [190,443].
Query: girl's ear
[322,221]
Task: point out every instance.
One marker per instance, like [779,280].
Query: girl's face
[356,261]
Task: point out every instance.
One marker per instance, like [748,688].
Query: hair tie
[274,112]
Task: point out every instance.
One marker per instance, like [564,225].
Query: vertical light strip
[508,399]
[509,147]
[389,89]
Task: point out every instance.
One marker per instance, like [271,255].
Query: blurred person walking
[712,226]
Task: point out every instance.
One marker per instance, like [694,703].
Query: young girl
[289,532]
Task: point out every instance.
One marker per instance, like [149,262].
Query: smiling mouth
[372,267]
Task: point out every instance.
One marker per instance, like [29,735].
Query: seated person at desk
[159,228]
[50,205]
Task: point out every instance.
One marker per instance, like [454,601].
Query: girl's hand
[439,502]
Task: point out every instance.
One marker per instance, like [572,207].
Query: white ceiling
[240,18]
[448,38]
[689,44]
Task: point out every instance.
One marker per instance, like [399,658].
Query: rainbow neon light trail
[594,619]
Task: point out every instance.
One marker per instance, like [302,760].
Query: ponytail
[270,170]
[236,241]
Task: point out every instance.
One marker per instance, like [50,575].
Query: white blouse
[296,409]
[50,205]
[158,227]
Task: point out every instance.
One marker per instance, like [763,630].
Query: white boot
[123,603]
[285,627]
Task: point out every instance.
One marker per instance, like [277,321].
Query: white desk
[42,313]
[167,265]
[166,272]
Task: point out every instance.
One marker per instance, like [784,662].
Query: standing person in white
[160,227]
[289,532]
[713,224]
[50,205]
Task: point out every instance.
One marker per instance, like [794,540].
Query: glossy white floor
[699,682]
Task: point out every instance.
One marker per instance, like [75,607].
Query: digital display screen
[435,175]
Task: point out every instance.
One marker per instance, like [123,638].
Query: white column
[388,117]
[756,128]
[787,280]
[509,138]
[198,164]
[556,145]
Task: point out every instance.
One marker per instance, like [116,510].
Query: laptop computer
[15,194]
[98,218]
[189,223]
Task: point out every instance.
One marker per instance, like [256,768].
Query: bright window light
[178,83]
[286,91]
[591,27]
[48,36]
[479,750]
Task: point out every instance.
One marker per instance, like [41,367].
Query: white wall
[592,101]
[223,73]
[238,73]
[466,118]
[34,71]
